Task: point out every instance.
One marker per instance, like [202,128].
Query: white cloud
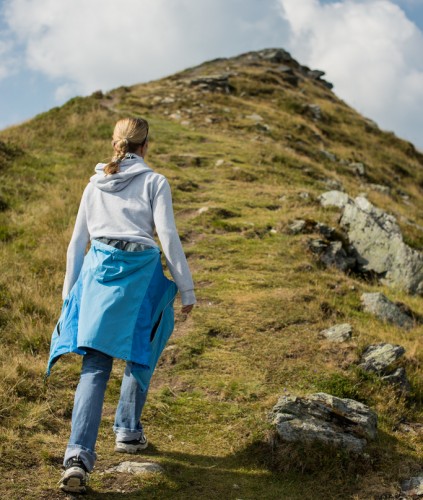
[372,53]
[369,49]
[94,44]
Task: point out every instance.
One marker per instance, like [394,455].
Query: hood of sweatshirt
[131,166]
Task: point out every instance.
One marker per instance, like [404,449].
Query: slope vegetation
[247,144]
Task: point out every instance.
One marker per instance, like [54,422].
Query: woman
[117,301]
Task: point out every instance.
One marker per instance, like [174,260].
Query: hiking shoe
[74,477]
[132,446]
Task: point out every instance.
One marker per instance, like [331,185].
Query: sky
[52,50]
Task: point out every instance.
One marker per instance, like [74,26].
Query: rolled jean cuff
[87,456]
[123,434]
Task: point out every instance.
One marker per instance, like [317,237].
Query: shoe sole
[73,485]
[131,448]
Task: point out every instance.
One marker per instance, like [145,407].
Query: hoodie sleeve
[164,221]
[77,247]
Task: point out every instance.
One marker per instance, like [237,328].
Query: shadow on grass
[265,470]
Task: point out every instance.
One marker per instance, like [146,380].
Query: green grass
[262,297]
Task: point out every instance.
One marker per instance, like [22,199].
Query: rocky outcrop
[380,248]
[321,417]
[213,83]
[376,243]
[379,305]
[293,70]
[337,333]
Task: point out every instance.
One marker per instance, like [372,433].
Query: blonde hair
[129,134]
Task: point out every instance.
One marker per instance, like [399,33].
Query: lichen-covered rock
[337,333]
[377,358]
[380,248]
[379,305]
[334,198]
[321,417]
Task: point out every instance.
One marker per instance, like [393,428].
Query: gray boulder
[377,358]
[379,305]
[380,248]
[337,333]
[321,417]
[334,198]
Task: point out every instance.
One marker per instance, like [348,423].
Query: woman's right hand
[187,309]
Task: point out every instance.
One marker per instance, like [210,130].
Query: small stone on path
[136,468]
[337,333]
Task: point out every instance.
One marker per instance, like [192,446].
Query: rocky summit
[302,222]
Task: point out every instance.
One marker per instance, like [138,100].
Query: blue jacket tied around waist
[121,305]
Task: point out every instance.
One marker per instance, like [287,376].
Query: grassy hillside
[237,180]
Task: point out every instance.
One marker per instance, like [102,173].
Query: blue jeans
[89,397]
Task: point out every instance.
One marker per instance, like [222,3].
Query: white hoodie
[128,206]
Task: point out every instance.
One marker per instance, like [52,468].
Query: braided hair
[129,134]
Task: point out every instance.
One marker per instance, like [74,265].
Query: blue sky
[52,50]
